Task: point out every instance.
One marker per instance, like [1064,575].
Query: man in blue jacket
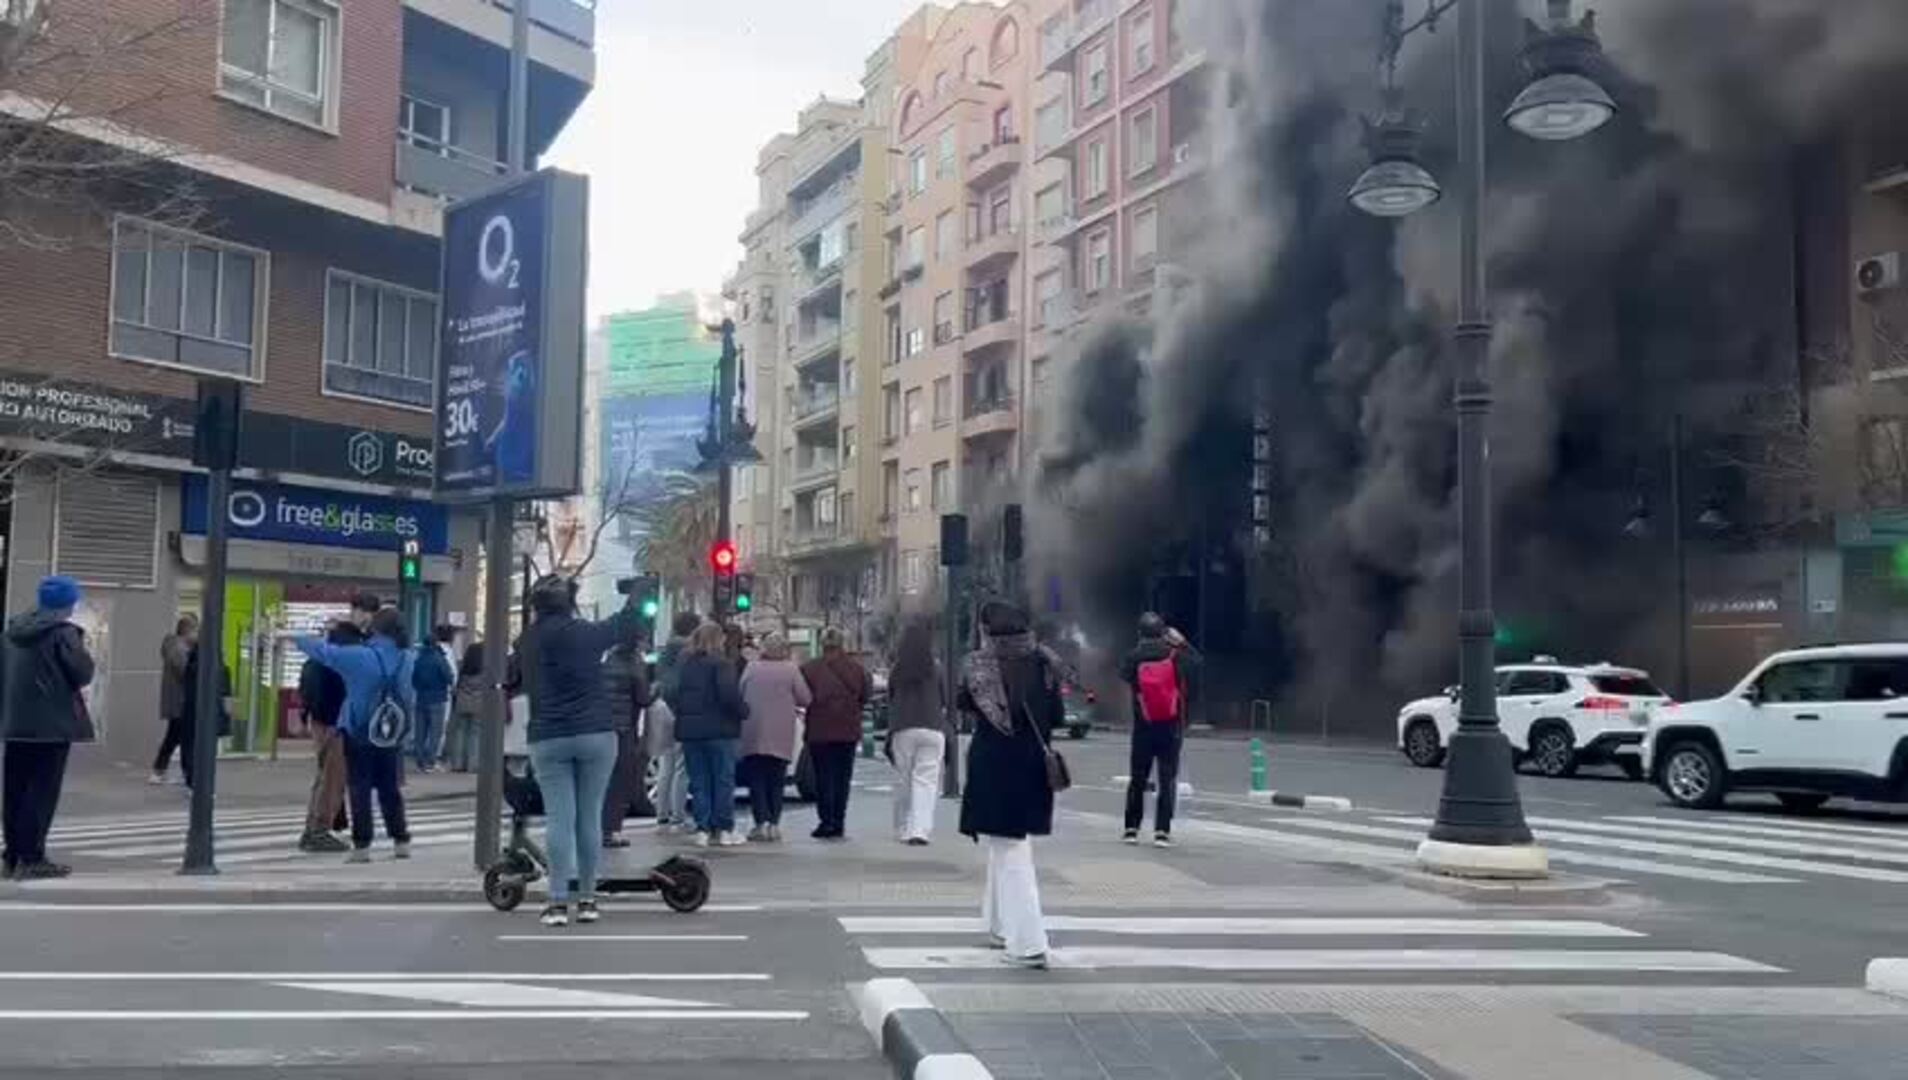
[432,678]
[378,671]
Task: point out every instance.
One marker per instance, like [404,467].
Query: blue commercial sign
[300,515]
[509,410]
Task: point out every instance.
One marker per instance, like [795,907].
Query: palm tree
[675,530]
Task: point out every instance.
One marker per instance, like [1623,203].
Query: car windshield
[1626,684]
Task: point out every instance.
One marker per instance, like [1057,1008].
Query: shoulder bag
[1059,776]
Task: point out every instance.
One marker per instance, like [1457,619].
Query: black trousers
[625,783]
[30,782]
[376,769]
[1153,744]
[175,738]
[766,777]
[834,773]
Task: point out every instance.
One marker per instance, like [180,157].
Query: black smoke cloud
[1643,271]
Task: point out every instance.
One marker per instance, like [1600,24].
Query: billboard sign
[289,514]
[510,364]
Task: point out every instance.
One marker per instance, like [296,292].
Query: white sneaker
[701,839]
[555,915]
[156,779]
[359,855]
[729,839]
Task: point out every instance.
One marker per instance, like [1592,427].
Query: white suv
[1807,725]
[1557,717]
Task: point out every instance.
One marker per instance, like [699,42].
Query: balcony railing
[812,280]
[819,467]
[815,403]
[991,163]
[443,170]
[1053,226]
[989,403]
[816,344]
[814,215]
[992,248]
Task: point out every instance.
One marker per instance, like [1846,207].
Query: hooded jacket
[561,658]
[47,666]
[366,670]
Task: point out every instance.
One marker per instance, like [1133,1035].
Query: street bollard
[1259,779]
[867,736]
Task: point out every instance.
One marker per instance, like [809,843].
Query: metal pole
[725,473]
[1480,804]
[1681,552]
[209,687]
[951,676]
[501,534]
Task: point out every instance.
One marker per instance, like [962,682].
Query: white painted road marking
[1801,830]
[1226,927]
[373,976]
[1734,858]
[419,1015]
[543,939]
[1615,862]
[223,841]
[498,995]
[1822,846]
[1089,958]
[197,908]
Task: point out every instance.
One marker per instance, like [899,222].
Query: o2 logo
[497,261]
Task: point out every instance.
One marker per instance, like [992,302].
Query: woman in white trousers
[1011,694]
[917,734]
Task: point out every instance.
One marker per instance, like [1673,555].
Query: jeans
[175,738]
[374,769]
[1153,743]
[427,738]
[834,774]
[1011,907]
[31,777]
[917,759]
[460,741]
[767,777]
[672,787]
[711,765]
[574,773]
[328,785]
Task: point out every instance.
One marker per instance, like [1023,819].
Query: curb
[1888,977]
[1300,802]
[214,891]
[913,1035]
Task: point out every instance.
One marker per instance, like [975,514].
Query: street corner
[918,1041]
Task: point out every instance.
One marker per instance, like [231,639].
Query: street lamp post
[1480,829]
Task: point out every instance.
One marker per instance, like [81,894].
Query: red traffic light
[722,557]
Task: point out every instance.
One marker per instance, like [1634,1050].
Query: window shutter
[107,529]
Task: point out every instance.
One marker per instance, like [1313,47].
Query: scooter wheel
[504,886]
[688,887]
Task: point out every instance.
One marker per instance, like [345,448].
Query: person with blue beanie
[378,676]
[42,714]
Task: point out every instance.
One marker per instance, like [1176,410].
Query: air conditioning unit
[1879,273]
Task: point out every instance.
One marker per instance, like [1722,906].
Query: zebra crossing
[243,837]
[1329,946]
[1721,849]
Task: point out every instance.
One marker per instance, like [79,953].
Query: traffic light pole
[216,431]
[725,472]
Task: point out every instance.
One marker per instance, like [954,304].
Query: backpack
[1159,696]
[390,722]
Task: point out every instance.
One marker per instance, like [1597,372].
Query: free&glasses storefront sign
[297,515]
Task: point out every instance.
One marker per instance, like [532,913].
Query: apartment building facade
[311,149]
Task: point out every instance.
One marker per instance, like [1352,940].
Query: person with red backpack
[1158,669]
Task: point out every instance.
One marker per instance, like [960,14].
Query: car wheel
[652,782]
[1077,732]
[1422,746]
[1553,751]
[1632,767]
[1802,802]
[1694,777]
[644,804]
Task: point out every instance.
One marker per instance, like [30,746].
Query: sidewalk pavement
[97,788]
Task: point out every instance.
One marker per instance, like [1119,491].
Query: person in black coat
[1010,697]
[46,668]
[706,698]
[626,686]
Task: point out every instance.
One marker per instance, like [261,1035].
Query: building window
[890,489]
[917,171]
[1053,36]
[944,153]
[1096,171]
[917,342]
[847,502]
[911,572]
[1095,88]
[917,248]
[1000,210]
[278,55]
[187,300]
[947,241]
[1050,206]
[891,413]
[944,318]
[1139,33]
[1004,125]
[1050,123]
[911,419]
[1049,292]
[1099,260]
[942,488]
[911,492]
[425,124]
[1145,238]
[825,511]
[1144,149]
[848,378]
[1006,41]
[848,445]
[895,341]
[380,340]
[943,403]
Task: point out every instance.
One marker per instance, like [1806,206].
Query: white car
[1556,716]
[1807,725]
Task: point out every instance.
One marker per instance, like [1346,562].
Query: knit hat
[59,592]
[1001,619]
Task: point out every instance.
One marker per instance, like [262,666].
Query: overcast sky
[686,92]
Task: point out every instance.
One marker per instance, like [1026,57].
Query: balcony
[819,470]
[562,34]
[991,335]
[817,213]
[442,170]
[989,416]
[823,402]
[991,251]
[814,283]
[820,344]
[817,538]
[994,163]
[1089,18]
[1051,228]
[825,166]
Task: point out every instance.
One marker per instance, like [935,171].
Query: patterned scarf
[987,686]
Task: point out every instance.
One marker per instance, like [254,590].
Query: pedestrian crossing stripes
[1103,943]
[242,837]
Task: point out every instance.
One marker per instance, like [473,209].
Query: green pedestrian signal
[744,592]
[410,563]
